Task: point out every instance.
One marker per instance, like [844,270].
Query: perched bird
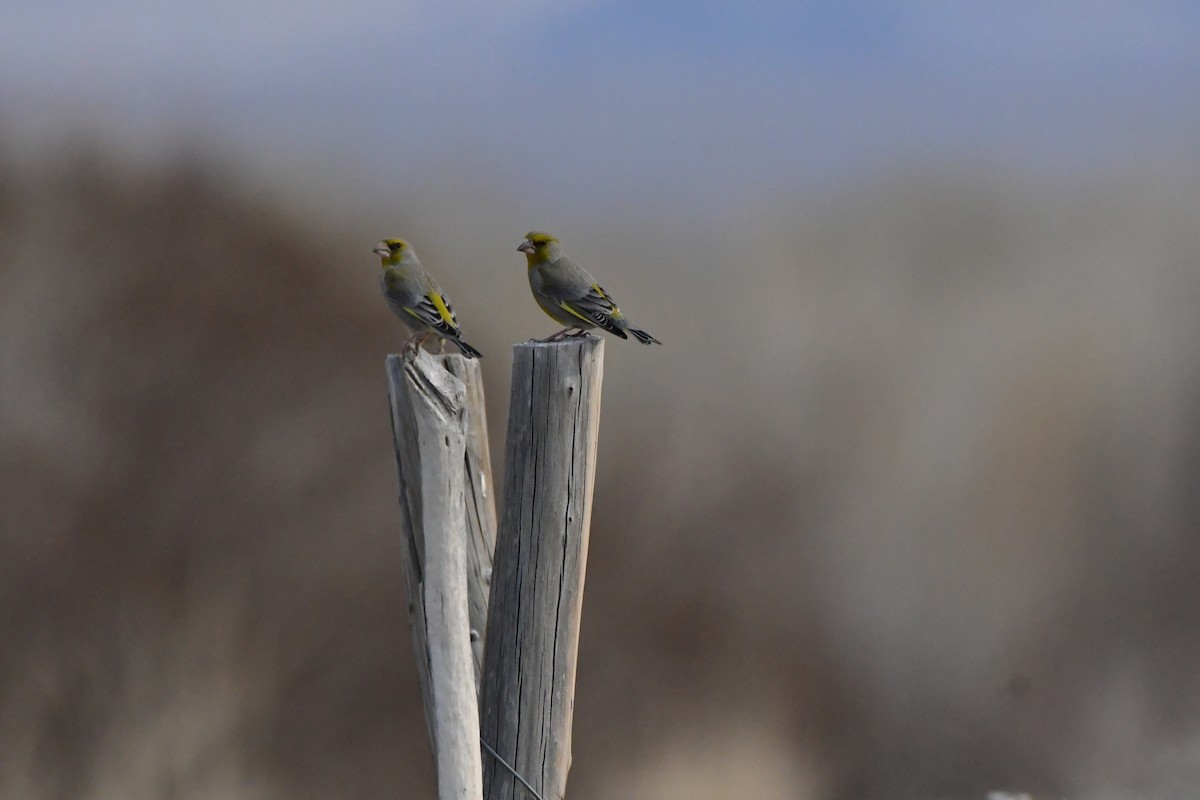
[415,297]
[569,293]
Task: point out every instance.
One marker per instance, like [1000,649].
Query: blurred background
[906,507]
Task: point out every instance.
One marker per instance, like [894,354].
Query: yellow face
[537,245]
[540,238]
[391,250]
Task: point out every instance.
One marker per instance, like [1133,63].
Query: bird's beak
[526,247]
[381,250]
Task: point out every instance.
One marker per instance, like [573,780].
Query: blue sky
[618,100]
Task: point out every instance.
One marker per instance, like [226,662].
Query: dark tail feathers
[643,337]
[467,350]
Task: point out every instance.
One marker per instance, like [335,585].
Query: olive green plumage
[569,294]
[415,297]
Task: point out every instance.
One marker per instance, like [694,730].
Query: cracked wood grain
[537,587]
[432,432]
[480,503]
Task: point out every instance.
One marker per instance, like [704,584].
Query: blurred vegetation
[905,507]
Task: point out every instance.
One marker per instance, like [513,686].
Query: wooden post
[480,504]
[429,428]
[537,589]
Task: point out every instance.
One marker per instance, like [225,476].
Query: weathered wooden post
[480,504]
[441,448]
[537,587]
[523,705]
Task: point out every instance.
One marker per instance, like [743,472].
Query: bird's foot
[553,338]
[413,344]
[565,333]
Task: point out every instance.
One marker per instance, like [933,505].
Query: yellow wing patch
[563,305]
[615,313]
[442,309]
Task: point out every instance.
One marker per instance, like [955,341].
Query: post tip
[571,342]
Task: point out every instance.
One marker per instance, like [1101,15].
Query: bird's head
[539,247]
[393,251]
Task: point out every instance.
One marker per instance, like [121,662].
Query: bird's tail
[643,337]
[467,350]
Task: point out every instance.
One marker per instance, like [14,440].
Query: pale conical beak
[381,250]
[526,247]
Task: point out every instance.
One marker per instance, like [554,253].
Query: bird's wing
[595,301]
[595,307]
[434,310]
[574,290]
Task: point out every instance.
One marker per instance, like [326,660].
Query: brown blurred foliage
[906,506]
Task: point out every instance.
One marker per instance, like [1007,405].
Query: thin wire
[508,766]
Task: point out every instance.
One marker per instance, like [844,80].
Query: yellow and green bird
[569,294]
[415,297]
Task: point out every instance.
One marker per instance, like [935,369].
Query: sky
[586,101]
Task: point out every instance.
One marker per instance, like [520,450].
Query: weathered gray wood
[430,431]
[480,503]
[537,586]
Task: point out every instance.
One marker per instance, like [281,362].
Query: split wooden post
[430,431]
[537,588]
[479,494]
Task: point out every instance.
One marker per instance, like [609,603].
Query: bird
[415,297]
[569,294]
